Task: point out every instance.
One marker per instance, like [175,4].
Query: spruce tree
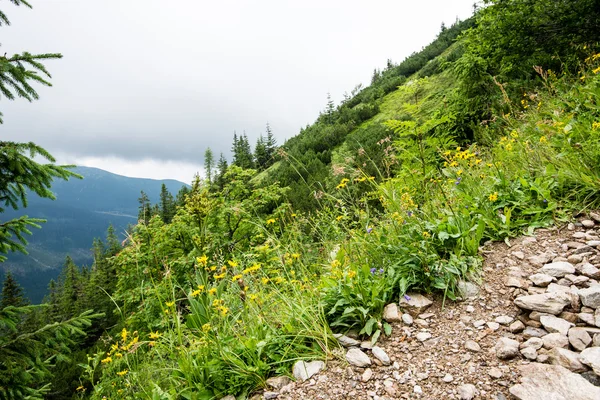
[167,204]
[221,170]
[12,293]
[209,164]
[270,145]
[144,208]
[261,157]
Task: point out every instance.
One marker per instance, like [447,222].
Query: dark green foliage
[18,173]
[209,164]
[242,153]
[221,170]
[12,293]
[166,205]
[144,213]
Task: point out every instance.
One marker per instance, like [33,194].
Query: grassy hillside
[481,138]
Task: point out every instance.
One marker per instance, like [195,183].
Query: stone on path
[552,382]
[415,303]
[381,355]
[551,303]
[303,370]
[277,382]
[346,341]
[391,313]
[529,353]
[579,338]
[467,392]
[558,269]
[567,358]
[423,336]
[467,290]
[507,348]
[357,358]
[554,324]
[473,346]
[555,339]
[590,297]
[504,319]
[516,327]
[591,358]
[542,280]
[407,319]
[366,376]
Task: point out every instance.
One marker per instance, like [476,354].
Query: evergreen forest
[487,133]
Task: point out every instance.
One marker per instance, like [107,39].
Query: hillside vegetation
[489,132]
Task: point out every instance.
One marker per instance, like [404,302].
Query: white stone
[415,303]
[552,303]
[553,340]
[407,319]
[391,313]
[579,338]
[303,370]
[381,355]
[558,269]
[366,376]
[504,319]
[423,336]
[346,341]
[534,342]
[555,324]
[467,392]
[590,271]
[591,358]
[473,346]
[357,358]
[552,382]
[590,297]
[507,348]
[587,223]
[529,353]
[566,358]
[493,326]
[542,280]
[448,378]
[467,290]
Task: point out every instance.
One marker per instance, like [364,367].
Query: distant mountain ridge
[82,211]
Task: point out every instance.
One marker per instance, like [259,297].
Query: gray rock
[558,269]
[554,324]
[579,338]
[448,378]
[415,303]
[590,271]
[507,348]
[407,319]
[277,382]
[591,358]
[504,319]
[357,358]
[303,370]
[346,341]
[472,346]
[366,376]
[595,216]
[516,327]
[566,358]
[552,382]
[494,326]
[495,373]
[553,340]
[381,355]
[515,281]
[539,260]
[552,303]
[591,377]
[529,353]
[391,313]
[423,336]
[535,315]
[530,332]
[467,290]
[467,392]
[587,318]
[577,279]
[270,395]
[542,280]
[534,342]
[587,223]
[590,297]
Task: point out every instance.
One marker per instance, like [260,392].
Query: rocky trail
[530,330]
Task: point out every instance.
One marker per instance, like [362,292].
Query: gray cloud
[163,81]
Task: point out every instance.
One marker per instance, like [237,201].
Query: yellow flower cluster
[251,269]
[343,183]
[493,197]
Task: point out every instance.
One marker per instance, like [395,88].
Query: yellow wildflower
[154,335]
[236,277]
[454,164]
[351,274]
[270,221]
[170,303]
[212,291]
[201,288]
[295,256]
[80,389]
[206,327]
[223,310]
[213,268]
[339,218]
[543,139]
[426,234]
[294,215]
[220,276]
[335,264]
[196,293]
[124,334]
[493,196]
[202,260]
[251,269]
[106,360]
[122,373]
[118,355]
[232,263]
[595,125]
[265,281]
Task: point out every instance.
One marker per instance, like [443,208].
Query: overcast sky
[146,86]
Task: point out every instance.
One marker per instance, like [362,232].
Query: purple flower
[381,271]
[407,297]
[373,270]
[458,180]
[409,213]
[545,201]
[369,229]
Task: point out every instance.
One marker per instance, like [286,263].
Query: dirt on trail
[448,351]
